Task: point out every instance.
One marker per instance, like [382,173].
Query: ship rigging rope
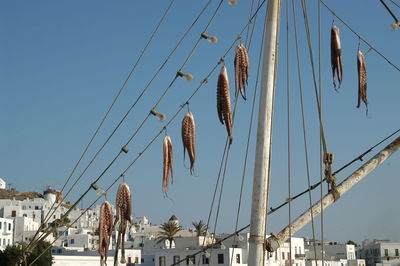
[248,29]
[302,107]
[307,28]
[396,20]
[395,3]
[360,37]
[320,142]
[288,130]
[139,97]
[138,60]
[47,232]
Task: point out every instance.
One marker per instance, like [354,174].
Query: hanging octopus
[241,63]
[224,102]
[189,138]
[123,216]
[336,56]
[362,80]
[167,163]
[105,231]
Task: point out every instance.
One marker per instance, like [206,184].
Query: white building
[221,257]
[6,232]
[330,251]
[63,257]
[24,228]
[2,184]
[380,252]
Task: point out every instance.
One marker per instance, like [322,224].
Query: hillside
[13,193]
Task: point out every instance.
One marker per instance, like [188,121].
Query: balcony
[300,256]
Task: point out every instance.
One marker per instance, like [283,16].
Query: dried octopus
[241,63]
[362,80]
[189,138]
[105,231]
[336,56]
[167,162]
[224,102]
[123,216]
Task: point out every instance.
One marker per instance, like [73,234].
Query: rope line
[396,20]
[288,130]
[248,29]
[307,28]
[359,36]
[394,3]
[248,46]
[302,112]
[320,141]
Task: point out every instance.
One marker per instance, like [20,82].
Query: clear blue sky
[63,62]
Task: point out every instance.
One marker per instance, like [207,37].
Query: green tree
[168,232]
[200,228]
[13,255]
[351,242]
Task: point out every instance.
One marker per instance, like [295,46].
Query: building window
[238,258]
[204,259]
[386,252]
[36,207]
[288,256]
[176,259]
[190,260]
[72,241]
[24,207]
[283,255]
[396,252]
[4,241]
[161,260]
[136,260]
[0,228]
[9,226]
[220,258]
[141,260]
[13,213]
[276,255]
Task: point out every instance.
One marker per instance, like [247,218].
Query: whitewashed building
[6,232]
[331,251]
[3,184]
[380,252]
[64,257]
[24,228]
